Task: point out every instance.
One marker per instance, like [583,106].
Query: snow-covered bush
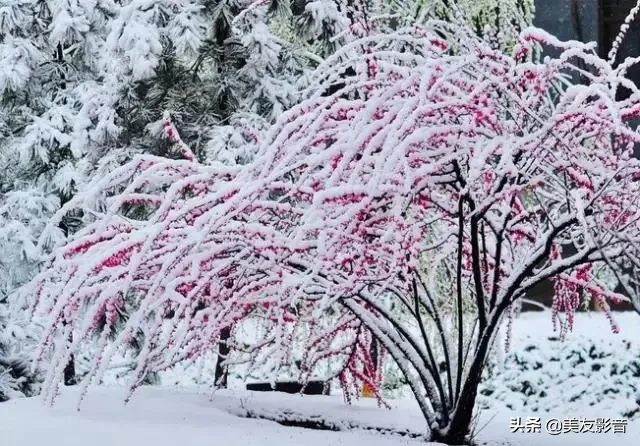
[553,375]
[17,338]
[23,215]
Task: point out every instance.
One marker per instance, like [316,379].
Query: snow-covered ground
[166,415]
[537,326]
[162,416]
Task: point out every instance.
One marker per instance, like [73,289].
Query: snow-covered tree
[472,166]
[498,20]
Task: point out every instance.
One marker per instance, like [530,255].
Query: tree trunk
[459,427]
[374,355]
[69,372]
[70,368]
[223,350]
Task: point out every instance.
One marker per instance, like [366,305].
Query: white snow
[531,326]
[162,416]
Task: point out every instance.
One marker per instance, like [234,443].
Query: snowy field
[162,416]
[166,415]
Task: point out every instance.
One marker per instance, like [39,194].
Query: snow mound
[325,412]
[162,416]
